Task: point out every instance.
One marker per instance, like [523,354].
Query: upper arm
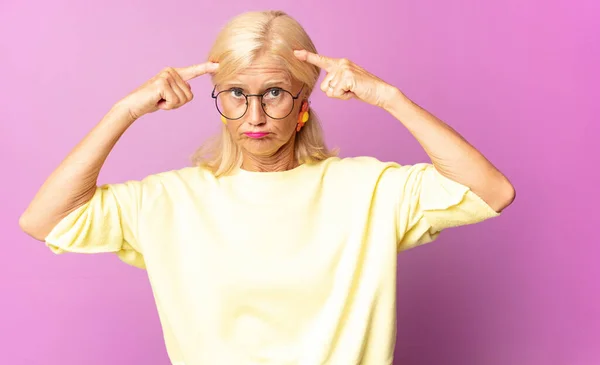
[430,202]
[106,223]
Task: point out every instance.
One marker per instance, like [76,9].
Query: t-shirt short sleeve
[430,202]
[106,223]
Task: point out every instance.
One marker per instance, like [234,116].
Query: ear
[302,116]
[304,106]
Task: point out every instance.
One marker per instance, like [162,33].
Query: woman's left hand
[346,80]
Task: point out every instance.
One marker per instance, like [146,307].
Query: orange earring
[303,116]
[223,120]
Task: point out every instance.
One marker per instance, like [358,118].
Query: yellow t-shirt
[295,267]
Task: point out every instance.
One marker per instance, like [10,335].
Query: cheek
[233,126]
[288,125]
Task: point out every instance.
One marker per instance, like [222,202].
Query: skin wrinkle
[275,152]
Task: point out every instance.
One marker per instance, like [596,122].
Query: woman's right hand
[169,89]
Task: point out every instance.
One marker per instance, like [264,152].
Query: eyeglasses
[276,102]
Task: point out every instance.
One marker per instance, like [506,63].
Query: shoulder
[359,165]
[359,171]
[373,165]
[370,170]
[182,175]
[174,179]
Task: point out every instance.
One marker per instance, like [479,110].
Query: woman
[270,250]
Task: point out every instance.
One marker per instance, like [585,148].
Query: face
[257,132]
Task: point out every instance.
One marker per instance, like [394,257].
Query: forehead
[261,70]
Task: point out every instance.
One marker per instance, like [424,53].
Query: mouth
[256,134]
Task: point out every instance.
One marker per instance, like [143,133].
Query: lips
[256,134]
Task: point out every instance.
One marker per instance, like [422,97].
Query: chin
[261,147]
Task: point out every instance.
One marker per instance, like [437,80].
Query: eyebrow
[266,85]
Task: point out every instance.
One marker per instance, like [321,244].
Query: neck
[282,160]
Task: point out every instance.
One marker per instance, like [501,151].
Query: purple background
[517,78]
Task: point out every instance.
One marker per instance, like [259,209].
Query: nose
[256,114]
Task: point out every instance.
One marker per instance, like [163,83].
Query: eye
[237,92]
[274,92]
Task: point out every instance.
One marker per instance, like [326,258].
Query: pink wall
[519,79]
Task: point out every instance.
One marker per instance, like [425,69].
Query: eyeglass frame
[262,105]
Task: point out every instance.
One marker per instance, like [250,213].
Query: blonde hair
[245,38]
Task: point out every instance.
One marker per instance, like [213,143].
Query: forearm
[450,153]
[74,181]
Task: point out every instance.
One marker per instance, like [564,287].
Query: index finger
[323,62]
[190,72]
